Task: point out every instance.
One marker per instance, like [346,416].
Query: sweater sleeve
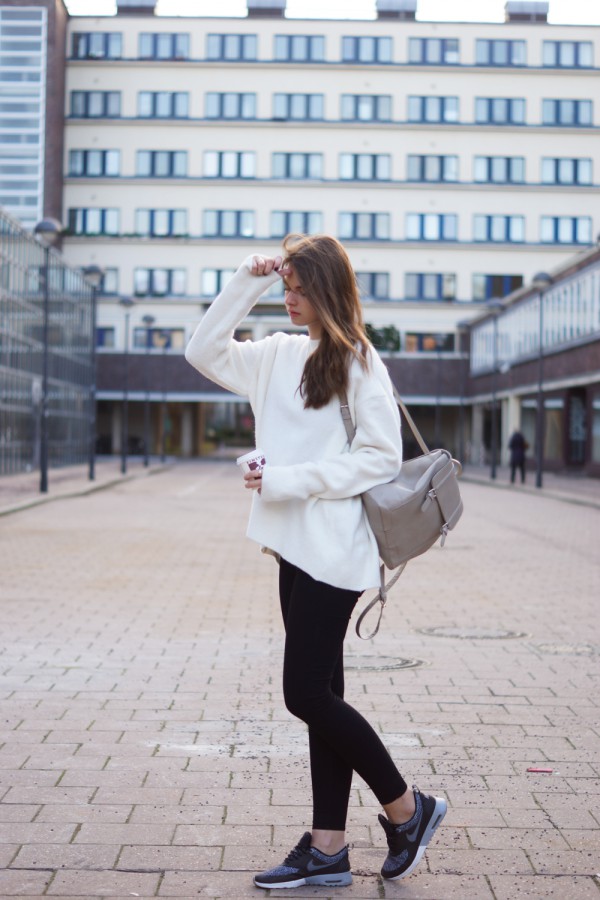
[374,457]
[212,349]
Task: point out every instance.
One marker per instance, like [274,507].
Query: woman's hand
[253,481]
[264,265]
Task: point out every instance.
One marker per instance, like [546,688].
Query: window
[487,286]
[231,47]
[431,226]
[230,106]
[364,226]
[418,342]
[499,169]
[499,229]
[499,111]
[110,282]
[161,222]
[214,280]
[159,338]
[298,106]
[374,285]
[228,223]
[283,223]
[299,47]
[433,51]
[163,104]
[97,45]
[365,166]
[566,171]
[164,45]
[566,230]
[297,165]
[433,109]
[367,49]
[566,112]
[93,221]
[159,282]
[366,108]
[431,168]
[161,163]
[430,286]
[500,53]
[96,104]
[105,337]
[568,54]
[229,164]
[94,163]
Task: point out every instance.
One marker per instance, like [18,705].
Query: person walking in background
[517,445]
[307,511]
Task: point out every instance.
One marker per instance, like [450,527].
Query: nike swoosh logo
[312,865]
[412,835]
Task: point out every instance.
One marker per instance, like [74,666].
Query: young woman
[307,510]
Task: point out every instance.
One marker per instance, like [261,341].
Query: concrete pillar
[187,430]
[477,449]
[512,421]
[116,427]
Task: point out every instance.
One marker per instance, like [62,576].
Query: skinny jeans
[341,741]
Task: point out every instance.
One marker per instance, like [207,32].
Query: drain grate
[381,663]
[472,634]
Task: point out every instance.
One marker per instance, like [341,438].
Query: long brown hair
[329,283]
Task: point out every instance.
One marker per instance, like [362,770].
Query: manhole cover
[381,663]
[574,649]
[470,634]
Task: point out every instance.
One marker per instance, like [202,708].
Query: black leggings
[341,741]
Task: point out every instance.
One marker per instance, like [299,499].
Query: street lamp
[495,305]
[126,303]
[463,329]
[163,439]
[148,322]
[93,275]
[48,231]
[542,282]
[439,344]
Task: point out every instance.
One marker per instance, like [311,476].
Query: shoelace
[295,854]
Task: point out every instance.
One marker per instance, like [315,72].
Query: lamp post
[496,306]
[48,231]
[94,276]
[542,282]
[163,439]
[463,329]
[126,303]
[439,343]
[148,322]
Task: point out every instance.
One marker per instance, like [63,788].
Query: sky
[565,12]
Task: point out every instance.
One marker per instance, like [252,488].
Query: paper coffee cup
[252,462]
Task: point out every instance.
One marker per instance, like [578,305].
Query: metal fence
[46,313]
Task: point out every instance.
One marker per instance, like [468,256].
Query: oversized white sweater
[309,509]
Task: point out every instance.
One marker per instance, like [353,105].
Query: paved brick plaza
[144,747]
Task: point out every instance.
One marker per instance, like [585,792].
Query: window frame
[315,48]
[172,38]
[423,44]
[248,47]
[446,227]
[353,49]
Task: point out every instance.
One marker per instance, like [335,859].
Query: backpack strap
[381,596]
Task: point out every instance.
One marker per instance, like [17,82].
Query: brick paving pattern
[144,746]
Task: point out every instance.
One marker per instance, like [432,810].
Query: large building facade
[453,160]
[32,82]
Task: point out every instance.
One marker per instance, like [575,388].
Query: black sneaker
[407,842]
[307,865]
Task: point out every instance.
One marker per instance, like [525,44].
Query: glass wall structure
[35,282]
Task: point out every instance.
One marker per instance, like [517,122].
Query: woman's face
[299,308]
